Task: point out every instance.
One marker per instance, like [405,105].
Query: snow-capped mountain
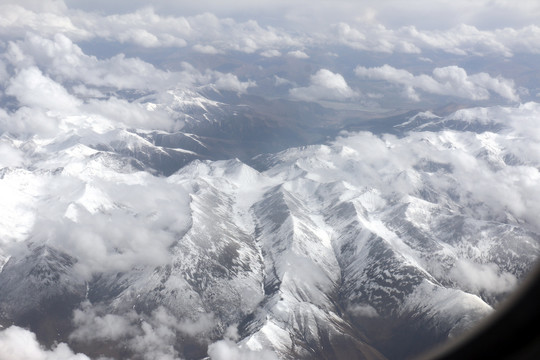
[369,246]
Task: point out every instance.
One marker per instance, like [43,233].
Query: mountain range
[245,233]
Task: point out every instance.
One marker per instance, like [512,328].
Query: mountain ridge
[360,246]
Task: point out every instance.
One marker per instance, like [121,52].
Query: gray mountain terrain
[147,244]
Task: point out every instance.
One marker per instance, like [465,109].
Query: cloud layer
[58,86]
[371,29]
[64,27]
[449,81]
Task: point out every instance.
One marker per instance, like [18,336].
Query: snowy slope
[356,248]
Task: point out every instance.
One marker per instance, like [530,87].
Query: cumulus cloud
[203,322]
[45,18]
[90,325]
[231,82]
[98,225]
[324,85]
[222,81]
[228,350]
[298,54]
[151,336]
[10,156]
[450,80]
[33,89]
[461,39]
[206,49]
[155,342]
[90,211]
[120,113]
[485,13]
[65,61]
[144,27]
[479,278]
[469,40]
[271,53]
[20,344]
[53,79]
[107,236]
[373,38]
[486,185]
[372,27]
[51,6]
[29,121]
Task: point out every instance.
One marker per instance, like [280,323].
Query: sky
[374,53]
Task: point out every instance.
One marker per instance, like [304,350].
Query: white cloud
[10,156]
[89,325]
[231,333]
[499,85]
[271,53]
[33,89]
[475,277]
[155,342]
[206,49]
[142,27]
[228,350]
[20,344]
[39,67]
[461,39]
[450,80]
[371,27]
[203,323]
[443,14]
[101,222]
[64,60]
[18,19]
[158,334]
[231,82]
[512,195]
[410,93]
[373,38]
[146,28]
[139,37]
[326,85]
[46,6]
[298,54]
[150,336]
[119,113]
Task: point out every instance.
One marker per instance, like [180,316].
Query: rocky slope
[370,246]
